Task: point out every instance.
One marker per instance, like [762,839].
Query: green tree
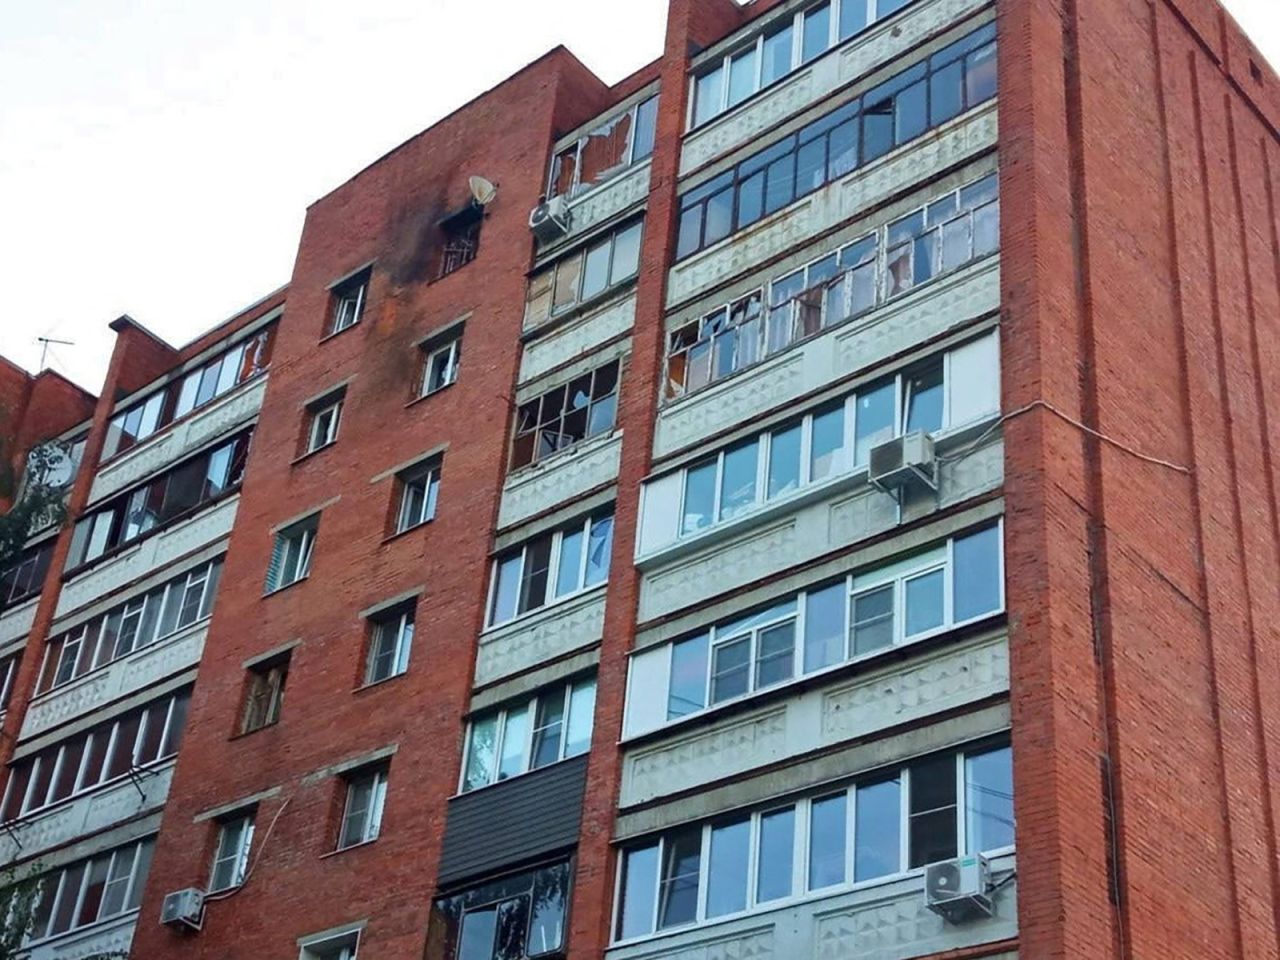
[41,500]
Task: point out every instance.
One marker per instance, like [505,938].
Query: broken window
[460,234]
[605,151]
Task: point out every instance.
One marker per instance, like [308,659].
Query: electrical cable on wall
[262,848]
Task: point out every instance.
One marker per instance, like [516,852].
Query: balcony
[602,202]
[86,814]
[565,476]
[137,671]
[546,634]
[562,344]
[149,554]
[879,921]
[817,717]
[17,620]
[179,439]
[816,81]
[915,162]
[109,938]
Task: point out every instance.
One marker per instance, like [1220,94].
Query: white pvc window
[389,647]
[348,302]
[550,567]
[881,827]
[323,429]
[419,492]
[231,859]
[440,366]
[553,725]
[291,555]
[91,890]
[362,818]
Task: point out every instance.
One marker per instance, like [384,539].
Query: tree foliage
[40,502]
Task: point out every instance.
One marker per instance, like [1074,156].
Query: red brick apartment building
[695,519]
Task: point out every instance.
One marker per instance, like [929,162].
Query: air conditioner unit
[905,461]
[960,889]
[549,220]
[183,908]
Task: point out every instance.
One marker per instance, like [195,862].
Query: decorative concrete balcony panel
[111,937]
[16,621]
[919,316]
[913,163]
[138,671]
[576,338]
[546,634]
[601,202]
[905,692]
[564,477]
[170,445]
[153,553]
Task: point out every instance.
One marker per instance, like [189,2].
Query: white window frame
[530,709]
[322,429]
[553,570]
[801,845]
[131,880]
[348,302]
[797,54]
[575,189]
[239,857]
[371,822]
[403,625]
[331,946]
[428,477]
[452,353]
[304,534]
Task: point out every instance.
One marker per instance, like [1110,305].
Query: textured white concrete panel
[139,670]
[599,204]
[568,343]
[914,162]
[16,622]
[171,445]
[564,477]
[897,326]
[541,636]
[151,554]
[109,938]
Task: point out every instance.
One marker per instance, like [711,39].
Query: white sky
[156,157]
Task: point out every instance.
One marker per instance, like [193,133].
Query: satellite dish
[482,190]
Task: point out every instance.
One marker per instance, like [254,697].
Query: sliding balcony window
[132,625]
[8,674]
[958,582]
[880,827]
[948,233]
[919,98]
[551,726]
[616,144]
[514,917]
[201,386]
[142,737]
[944,392]
[24,578]
[566,415]
[785,45]
[550,567]
[91,890]
[166,498]
[583,275]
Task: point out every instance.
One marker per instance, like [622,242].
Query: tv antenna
[44,347]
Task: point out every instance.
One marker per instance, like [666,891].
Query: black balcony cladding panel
[513,821]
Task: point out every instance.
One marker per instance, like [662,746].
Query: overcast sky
[156,157]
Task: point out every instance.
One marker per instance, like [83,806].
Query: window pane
[719,217]
[751,199]
[707,94]
[548,729]
[946,97]
[775,654]
[595,271]
[582,709]
[924,603]
[566,286]
[784,462]
[727,868]
[570,571]
[827,824]
[911,112]
[88,912]
[64,913]
[933,810]
[550,901]
[506,589]
[980,75]
[976,577]
[777,849]
[780,183]
[690,235]
[742,75]
[534,575]
[853,17]
[699,497]
[777,56]
[480,753]
[479,928]
[877,129]
[988,800]
[626,254]
[599,550]
[817,31]
[639,890]
[873,620]
[688,677]
[877,819]
[824,626]
[730,669]
[874,422]
[646,124]
[678,891]
[738,481]
[828,444]
[811,166]
[924,398]
[515,729]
